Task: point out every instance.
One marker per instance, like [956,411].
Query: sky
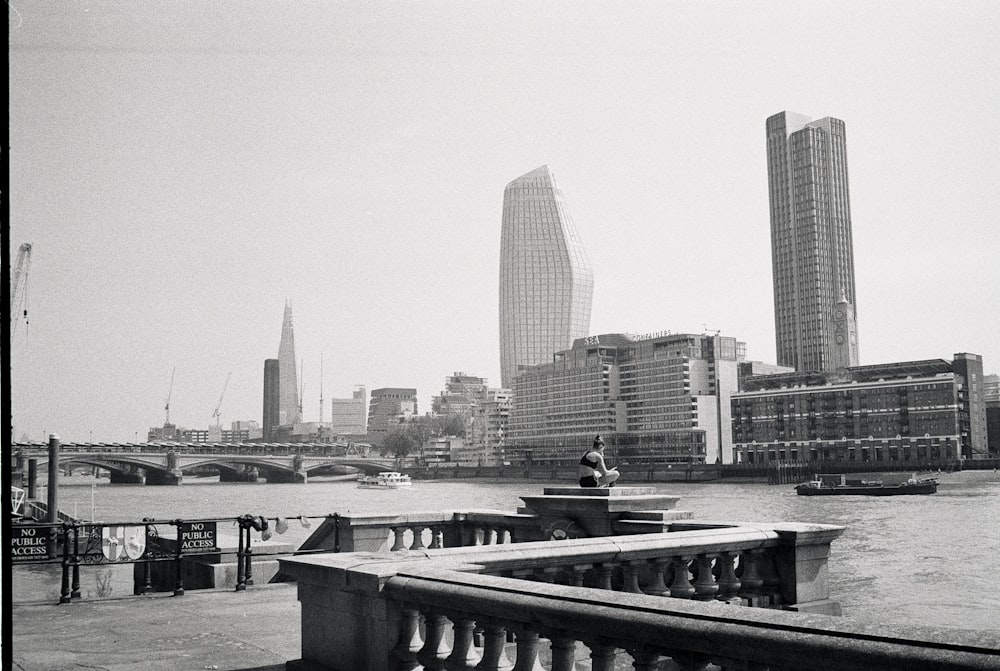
[184,168]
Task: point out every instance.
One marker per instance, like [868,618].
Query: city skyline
[180,174]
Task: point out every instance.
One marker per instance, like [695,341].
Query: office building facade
[546,282]
[349,416]
[812,250]
[898,412]
[655,399]
[388,406]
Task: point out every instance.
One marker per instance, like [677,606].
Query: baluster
[768,572]
[729,584]
[750,580]
[464,656]
[658,587]
[704,585]
[437,538]
[578,571]
[489,537]
[690,661]
[494,656]
[644,659]
[563,652]
[397,539]
[479,536]
[681,587]
[604,572]
[602,655]
[418,537]
[435,649]
[527,649]
[631,570]
[549,573]
[409,643]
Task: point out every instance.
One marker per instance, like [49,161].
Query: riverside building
[546,283]
[908,412]
[388,405]
[812,252]
[348,416]
[657,398]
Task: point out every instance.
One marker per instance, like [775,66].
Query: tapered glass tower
[812,251]
[546,283]
[288,387]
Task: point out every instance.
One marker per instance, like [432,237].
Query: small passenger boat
[832,485]
[384,480]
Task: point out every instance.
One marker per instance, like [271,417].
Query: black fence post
[241,583]
[336,532]
[64,596]
[75,594]
[178,564]
[248,572]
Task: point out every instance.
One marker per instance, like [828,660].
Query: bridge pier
[127,478]
[286,477]
[174,477]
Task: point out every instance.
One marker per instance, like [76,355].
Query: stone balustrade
[354,615]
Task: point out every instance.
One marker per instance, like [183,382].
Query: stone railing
[458,608]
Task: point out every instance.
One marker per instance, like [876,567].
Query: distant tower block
[272,396]
[288,409]
[812,253]
[546,282]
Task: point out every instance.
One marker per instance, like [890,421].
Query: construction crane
[19,288]
[215,415]
[321,388]
[302,386]
[169,392]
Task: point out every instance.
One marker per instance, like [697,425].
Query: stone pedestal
[582,511]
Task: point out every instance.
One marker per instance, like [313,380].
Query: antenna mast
[320,387]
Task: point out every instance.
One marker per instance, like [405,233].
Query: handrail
[650,625]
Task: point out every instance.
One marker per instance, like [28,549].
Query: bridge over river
[167,463]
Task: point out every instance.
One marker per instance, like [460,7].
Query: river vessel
[384,480]
[833,485]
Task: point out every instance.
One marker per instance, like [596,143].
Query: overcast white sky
[183,168]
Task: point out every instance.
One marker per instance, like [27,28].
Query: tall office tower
[272,395]
[546,283]
[812,252]
[288,408]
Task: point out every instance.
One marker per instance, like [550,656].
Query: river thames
[925,560]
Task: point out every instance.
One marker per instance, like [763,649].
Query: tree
[398,442]
[452,425]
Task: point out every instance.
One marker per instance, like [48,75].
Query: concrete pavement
[258,630]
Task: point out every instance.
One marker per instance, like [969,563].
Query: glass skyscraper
[546,283]
[288,387]
[812,251]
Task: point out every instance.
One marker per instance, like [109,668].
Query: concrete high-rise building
[812,251]
[272,397]
[388,406]
[656,399]
[546,283]
[349,415]
[288,408]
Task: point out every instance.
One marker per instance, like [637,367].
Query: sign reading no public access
[197,537]
[28,543]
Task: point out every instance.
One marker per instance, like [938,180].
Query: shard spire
[288,388]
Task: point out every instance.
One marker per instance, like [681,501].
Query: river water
[925,560]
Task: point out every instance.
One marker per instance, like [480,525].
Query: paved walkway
[258,630]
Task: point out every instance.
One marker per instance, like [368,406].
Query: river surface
[924,560]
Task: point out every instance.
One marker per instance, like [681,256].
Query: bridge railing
[604,598]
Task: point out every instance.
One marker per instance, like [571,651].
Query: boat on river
[833,485]
[384,480]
